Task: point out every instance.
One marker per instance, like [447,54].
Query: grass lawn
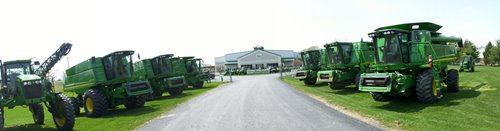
[475,107]
[119,119]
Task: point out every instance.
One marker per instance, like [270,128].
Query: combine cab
[26,84]
[412,59]
[345,62]
[102,83]
[467,63]
[159,71]
[311,60]
[194,76]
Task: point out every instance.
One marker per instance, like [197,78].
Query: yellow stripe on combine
[444,59]
[77,86]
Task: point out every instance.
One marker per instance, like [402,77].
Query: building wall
[259,57]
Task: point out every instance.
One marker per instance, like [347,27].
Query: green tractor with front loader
[345,62]
[195,76]
[467,63]
[312,60]
[102,83]
[412,59]
[159,72]
[26,84]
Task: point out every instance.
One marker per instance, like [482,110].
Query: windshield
[392,49]
[333,55]
[346,50]
[16,69]
[311,58]
[191,65]
[118,66]
[161,65]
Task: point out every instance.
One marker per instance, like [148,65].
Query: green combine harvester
[102,83]
[345,62]
[467,62]
[412,59]
[26,84]
[159,72]
[195,76]
[312,59]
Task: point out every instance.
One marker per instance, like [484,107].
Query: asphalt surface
[255,103]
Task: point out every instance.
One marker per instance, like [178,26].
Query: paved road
[255,103]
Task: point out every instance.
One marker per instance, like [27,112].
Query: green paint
[402,53]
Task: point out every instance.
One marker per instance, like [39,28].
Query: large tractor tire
[135,101]
[309,81]
[2,119]
[198,84]
[37,113]
[76,105]
[95,103]
[426,90]
[336,85]
[452,81]
[377,96]
[176,91]
[63,113]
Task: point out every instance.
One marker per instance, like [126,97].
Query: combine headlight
[38,82]
[25,83]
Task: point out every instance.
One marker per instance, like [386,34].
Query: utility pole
[231,75]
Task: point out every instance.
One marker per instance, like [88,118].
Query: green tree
[486,53]
[471,49]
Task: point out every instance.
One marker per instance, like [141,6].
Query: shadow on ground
[349,90]
[410,104]
[30,127]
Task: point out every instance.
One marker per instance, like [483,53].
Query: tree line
[491,54]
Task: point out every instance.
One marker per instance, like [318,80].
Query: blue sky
[210,28]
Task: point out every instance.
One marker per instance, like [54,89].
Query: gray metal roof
[282,53]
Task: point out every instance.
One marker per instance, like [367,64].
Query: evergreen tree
[486,54]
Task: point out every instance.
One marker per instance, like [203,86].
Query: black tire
[63,113]
[473,67]
[336,85]
[452,81]
[95,103]
[76,105]
[157,93]
[377,96]
[198,84]
[310,81]
[37,113]
[135,101]
[176,91]
[424,88]
[2,119]
[356,80]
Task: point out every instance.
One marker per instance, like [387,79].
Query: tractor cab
[311,58]
[412,43]
[339,53]
[20,73]
[118,65]
[391,46]
[162,64]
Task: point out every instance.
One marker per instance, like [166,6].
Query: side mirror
[37,63]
